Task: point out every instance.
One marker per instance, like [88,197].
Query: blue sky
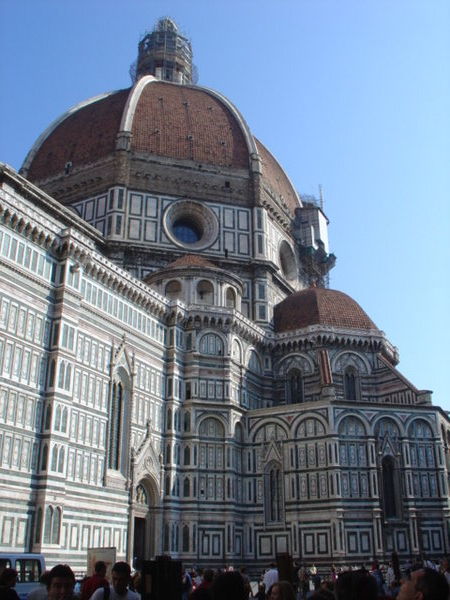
[351,95]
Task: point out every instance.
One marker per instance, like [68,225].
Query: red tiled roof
[191,260]
[276,178]
[83,137]
[320,306]
[186,123]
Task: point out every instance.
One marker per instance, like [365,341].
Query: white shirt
[99,594]
[270,577]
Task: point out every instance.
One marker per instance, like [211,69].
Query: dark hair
[432,584]
[323,595]
[7,576]
[63,571]
[208,575]
[353,585]
[100,565]
[229,585]
[286,590]
[122,567]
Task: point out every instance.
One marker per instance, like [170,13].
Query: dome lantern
[165,54]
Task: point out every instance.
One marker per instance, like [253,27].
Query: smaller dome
[191,260]
[320,306]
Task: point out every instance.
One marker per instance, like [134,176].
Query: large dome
[187,125]
[320,306]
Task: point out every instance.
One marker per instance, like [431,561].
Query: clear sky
[353,95]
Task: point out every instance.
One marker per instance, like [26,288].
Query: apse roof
[320,306]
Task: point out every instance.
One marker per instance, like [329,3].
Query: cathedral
[176,376]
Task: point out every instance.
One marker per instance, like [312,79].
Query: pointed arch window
[391,488]
[185,536]
[351,384]
[44,458]
[186,487]
[115,426]
[273,493]
[38,528]
[294,386]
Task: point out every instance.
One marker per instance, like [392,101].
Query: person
[94,582]
[424,584]
[186,585]
[270,576]
[281,590]
[60,583]
[376,573]
[203,590]
[229,586]
[356,585]
[118,590]
[303,582]
[40,593]
[8,579]
[261,593]
[445,568]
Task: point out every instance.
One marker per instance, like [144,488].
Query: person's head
[229,585]
[44,578]
[424,584]
[208,575]
[8,577]
[100,568]
[60,583]
[353,585]
[281,590]
[323,595]
[120,577]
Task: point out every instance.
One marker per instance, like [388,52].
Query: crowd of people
[423,580]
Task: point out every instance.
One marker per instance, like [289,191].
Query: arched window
[58,418]
[61,460]
[167,486]
[169,418]
[254,363]
[186,487]
[62,373]
[48,525]
[51,375]
[391,488]
[64,420]
[211,344]
[115,426]
[187,456]
[230,298]
[44,458]
[205,292]
[38,527]
[48,416]
[294,385]
[273,493]
[67,377]
[56,526]
[168,454]
[185,538]
[351,384]
[54,464]
[173,290]
[187,421]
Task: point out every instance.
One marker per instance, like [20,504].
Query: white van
[29,568]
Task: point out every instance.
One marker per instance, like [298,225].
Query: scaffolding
[166,54]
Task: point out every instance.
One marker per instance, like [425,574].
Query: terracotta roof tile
[85,136]
[320,306]
[191,260]
[185,123]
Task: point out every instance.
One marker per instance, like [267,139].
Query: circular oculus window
[191,224]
